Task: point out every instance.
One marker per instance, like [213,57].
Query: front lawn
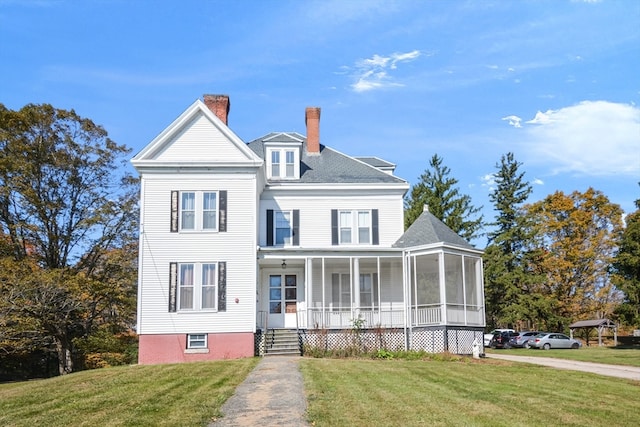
[188,394]
[473,393]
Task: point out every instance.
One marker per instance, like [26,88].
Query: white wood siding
[315,217]
[200,140]
[160,247]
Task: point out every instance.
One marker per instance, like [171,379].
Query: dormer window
[284,163]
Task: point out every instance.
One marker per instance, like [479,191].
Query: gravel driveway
[620,371]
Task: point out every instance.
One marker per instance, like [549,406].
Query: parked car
[501,339]
[489,336]
[522,338]
[548,340]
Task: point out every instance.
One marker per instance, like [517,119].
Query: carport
[599,325]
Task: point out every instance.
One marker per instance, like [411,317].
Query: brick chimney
[219,105]
[312,120]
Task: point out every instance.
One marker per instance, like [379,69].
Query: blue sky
[555,82]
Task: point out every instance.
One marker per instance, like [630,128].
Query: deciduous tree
[577,235]
[67,205]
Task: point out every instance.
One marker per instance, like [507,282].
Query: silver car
[549,340]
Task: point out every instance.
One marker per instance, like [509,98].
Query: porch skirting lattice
[433,339]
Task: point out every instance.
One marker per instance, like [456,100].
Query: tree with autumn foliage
[576,237]
[438,191]
[68,215]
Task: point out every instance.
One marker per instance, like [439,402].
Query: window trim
[191,339]
[197,286]
[198,211]
[283,163]
[354,226]
[373,228]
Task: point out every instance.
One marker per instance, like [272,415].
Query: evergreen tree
[626,268]
[438,191]
[509,279]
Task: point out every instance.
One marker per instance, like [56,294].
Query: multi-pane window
[283,163]
[355,227]
[209,211]
[290,164]
[188,211]
[197,341]
[341,290]
[275,163]
[197,286]
[366,291]
[199,210]
[283,228]
[209,286]
[346,224]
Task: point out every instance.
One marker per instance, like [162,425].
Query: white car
[487,337]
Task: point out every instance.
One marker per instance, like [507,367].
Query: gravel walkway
[620,371]
[272,395]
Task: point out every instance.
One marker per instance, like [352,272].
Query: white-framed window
[275,163]
[366,290]
[283,163]
[290,163]
[199,211]
[197,286]
[355,227]
[196,341]
[341,290]
[282,225]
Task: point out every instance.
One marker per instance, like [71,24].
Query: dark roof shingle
[428,229]
[330,166]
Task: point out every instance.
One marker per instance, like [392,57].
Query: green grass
[341,392]
[470,393]
[187,394]
[610,355]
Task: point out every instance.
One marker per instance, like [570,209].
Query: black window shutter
[222,286]
[334,226]
[175,195]
[374,227]
[173,286]
[269,227]
[222,214]
[296,227]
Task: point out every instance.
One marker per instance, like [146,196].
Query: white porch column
[443,289]
[356,286]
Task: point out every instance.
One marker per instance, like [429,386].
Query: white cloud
[513,121]
[537,181]
[373,73]
[488,180]
[595,138]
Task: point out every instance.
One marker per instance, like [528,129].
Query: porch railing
[343,317]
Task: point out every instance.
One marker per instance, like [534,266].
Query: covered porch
[391,289]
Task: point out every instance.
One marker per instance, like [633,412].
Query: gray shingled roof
[428,229]
[376,162]
[328,167]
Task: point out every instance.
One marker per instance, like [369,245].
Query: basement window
[196,341]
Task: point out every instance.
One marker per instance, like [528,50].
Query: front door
[283,298]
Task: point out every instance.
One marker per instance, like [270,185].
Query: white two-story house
[285,233]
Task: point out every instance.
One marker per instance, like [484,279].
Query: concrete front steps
[280,342]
